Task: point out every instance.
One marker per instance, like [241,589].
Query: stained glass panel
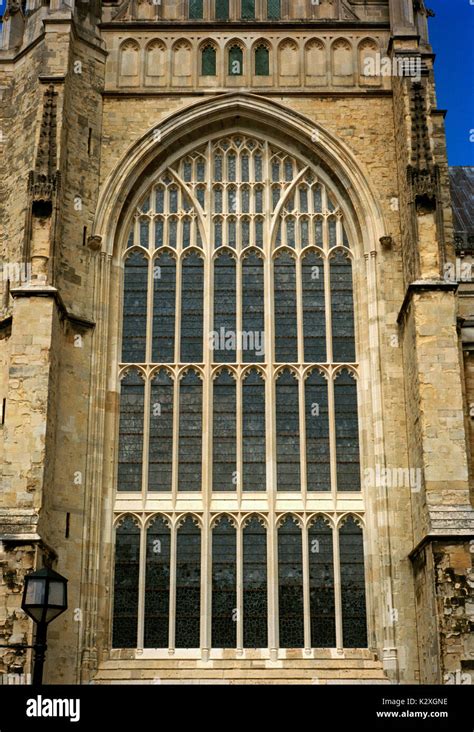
[157,584]
[321,586]
[354,617]
[132,394]
[317,433]
[224,442]
[161,433]
[290,585]
[224,333]
[253,433]
[253,347]
[188,585]
[208,61]
[190,432]
[224,580]
[127,565]
[164,306]
[286,339]
[262,61]
[347,432]
[192,283]
[134,308]
[342,309]
[287,432]
[255,584]
[314,320]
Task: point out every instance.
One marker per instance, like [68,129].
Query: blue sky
[452,37]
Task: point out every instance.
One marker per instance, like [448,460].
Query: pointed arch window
[237,390]
[208,61]
[262,60]
[236,61]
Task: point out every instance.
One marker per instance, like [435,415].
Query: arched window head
[262,61]
[236,61]
[208,61]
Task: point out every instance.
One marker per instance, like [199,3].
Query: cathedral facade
[236,376]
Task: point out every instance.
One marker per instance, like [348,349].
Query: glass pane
[347,432]
[317,433]
[354,620]
[314,322]
[224,443]
[332,232]
[200,170]
[160,199]
[173,205]
[195,9]
[134,308]
[231,167]
[224,333]
[161,433]
[255,584]
[144,235]
[321,586]
[262,61]
[290,585]
[222,9]
[253,346]
[224,577]
[248,9]
[188,585]
[273,9]
[217,233]
[190,432]
[218,200]
[342,309]
[245,193]
[186,232]
[127,566]
[157,584]
[286,346]
[253,433]
[218,167]
[258,200]
[187,171]
[172,232]
[132,389]
[191,309]
[158,233]
[208,61]
[287,433]
[245,232]
[235,61]
[164,307]
[317,201]
[245,168]
[259,232]
[258,168]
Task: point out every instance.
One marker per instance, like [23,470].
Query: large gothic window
[238,432]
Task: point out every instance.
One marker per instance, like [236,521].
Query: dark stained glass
[224,581]
[253,432]
[286,337]
[273,9]
[347,432]
[192,282]
[208,60]
[144,232]
[222,9]
[287,432]
[253,350]
[164,307]
[188,585]
[314,322]
[235,61]
[321,586]
[290,585]
[134,308]
[195,9]
[354,620]
[342,307]
[132,391]
[157,584]
[317,433]
[127,564]
[262,61]
[255,584]
[190,432]
[248,9]
[161,432]
[224,333]
[224,442]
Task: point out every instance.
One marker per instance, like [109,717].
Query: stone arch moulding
[239,107]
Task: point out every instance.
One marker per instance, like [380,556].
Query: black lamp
[44,598]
